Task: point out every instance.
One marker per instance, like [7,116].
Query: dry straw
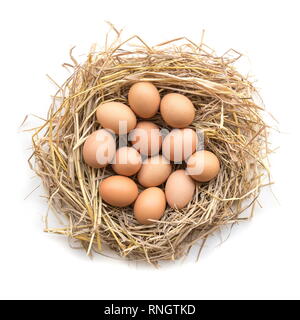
[225,110]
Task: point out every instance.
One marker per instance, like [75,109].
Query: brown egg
[154,171]
[146,138]
[118,191]
[177,110]
[99,149]
[116,116]
[179,144]
[127,161]
[144,99]
[150,204]
[203,166]
[179,189]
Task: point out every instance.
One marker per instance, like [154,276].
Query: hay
[231,120]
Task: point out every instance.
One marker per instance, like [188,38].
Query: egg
[150,204]
[177,110]
[127,161]
[118,191]
[99,149]
[144,99]
[203,166]
[146,138]
[179,144]
[154,171]
[116,116]
[179,189]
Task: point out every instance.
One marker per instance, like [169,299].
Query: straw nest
[226,112]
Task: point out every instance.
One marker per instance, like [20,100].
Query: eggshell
[154,171]
[99,149]
[116,116]
[144,99]
[118,191]
[203,166]
[177,110]
[179,189]
[179,144]
[127,161]
[150,204]
[146,138]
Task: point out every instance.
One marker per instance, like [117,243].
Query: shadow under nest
[226,112]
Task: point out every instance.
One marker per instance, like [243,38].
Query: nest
[226,112]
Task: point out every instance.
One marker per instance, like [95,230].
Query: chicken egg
[150,204]
[99,149]
[203,166]
[144,99]
[179,189]
[177,110]
[179,144]
[116,116]
[154,171]
[118,191]
[127,161]
[146,138]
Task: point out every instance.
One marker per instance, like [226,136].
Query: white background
[261,259]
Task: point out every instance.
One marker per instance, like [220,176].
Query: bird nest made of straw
[226,112]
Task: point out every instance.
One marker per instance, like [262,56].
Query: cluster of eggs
[150,154]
